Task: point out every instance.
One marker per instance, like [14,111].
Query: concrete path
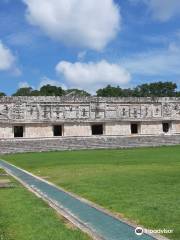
[96,222]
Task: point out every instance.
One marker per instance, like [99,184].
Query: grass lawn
[142,185]
[25,217]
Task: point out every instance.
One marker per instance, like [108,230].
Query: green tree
[156,89]
[110,91]
[2,94]
[49,90]
[35,93]
[26,91]
[178,94]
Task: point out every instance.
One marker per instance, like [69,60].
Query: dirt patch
[5,183]
[45,177]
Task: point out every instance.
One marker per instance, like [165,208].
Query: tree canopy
[25,91]
[2,94]
[155,89]
[49,90]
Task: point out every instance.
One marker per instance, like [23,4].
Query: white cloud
[7,59]
[83,23]
[161,10]
[92,75]
[45,81]
[23,85]
[161,63]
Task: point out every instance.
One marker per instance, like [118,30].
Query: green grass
[142,185]
[1,171]
[25,217]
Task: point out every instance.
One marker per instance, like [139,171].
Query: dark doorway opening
[18,131]
[57,130]
[97,129]
[165,127]
[134,128]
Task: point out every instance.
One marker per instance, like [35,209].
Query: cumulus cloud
[7,59]
[83,23]
[92,75]
[161,10]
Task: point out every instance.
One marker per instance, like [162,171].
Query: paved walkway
[102,225]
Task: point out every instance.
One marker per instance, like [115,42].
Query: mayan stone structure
[43,117]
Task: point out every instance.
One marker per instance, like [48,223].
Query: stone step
[74,143]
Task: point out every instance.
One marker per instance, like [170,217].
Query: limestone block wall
[6,131]
[117,128]
[37,115]
[176,127]
[151,128]
[38,130]
[77,129]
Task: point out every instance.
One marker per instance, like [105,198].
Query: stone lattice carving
[50,109]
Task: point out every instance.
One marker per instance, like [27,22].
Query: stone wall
[6,130]
[117,128]
[38,115]
[150,128]
[38,130]
[77,129]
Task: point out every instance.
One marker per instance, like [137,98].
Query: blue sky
[88,43]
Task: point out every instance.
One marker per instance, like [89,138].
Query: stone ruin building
[62,117]
[40,117]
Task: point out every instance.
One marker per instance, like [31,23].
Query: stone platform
[77,143]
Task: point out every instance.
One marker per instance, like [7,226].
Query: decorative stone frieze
[72,109]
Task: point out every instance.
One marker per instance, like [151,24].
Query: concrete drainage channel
[91,219]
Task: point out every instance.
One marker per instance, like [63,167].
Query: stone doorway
[166,127]
[57,130]
[134,128]
[18,131]
[97,129]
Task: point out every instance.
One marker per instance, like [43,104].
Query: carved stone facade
[40,117]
